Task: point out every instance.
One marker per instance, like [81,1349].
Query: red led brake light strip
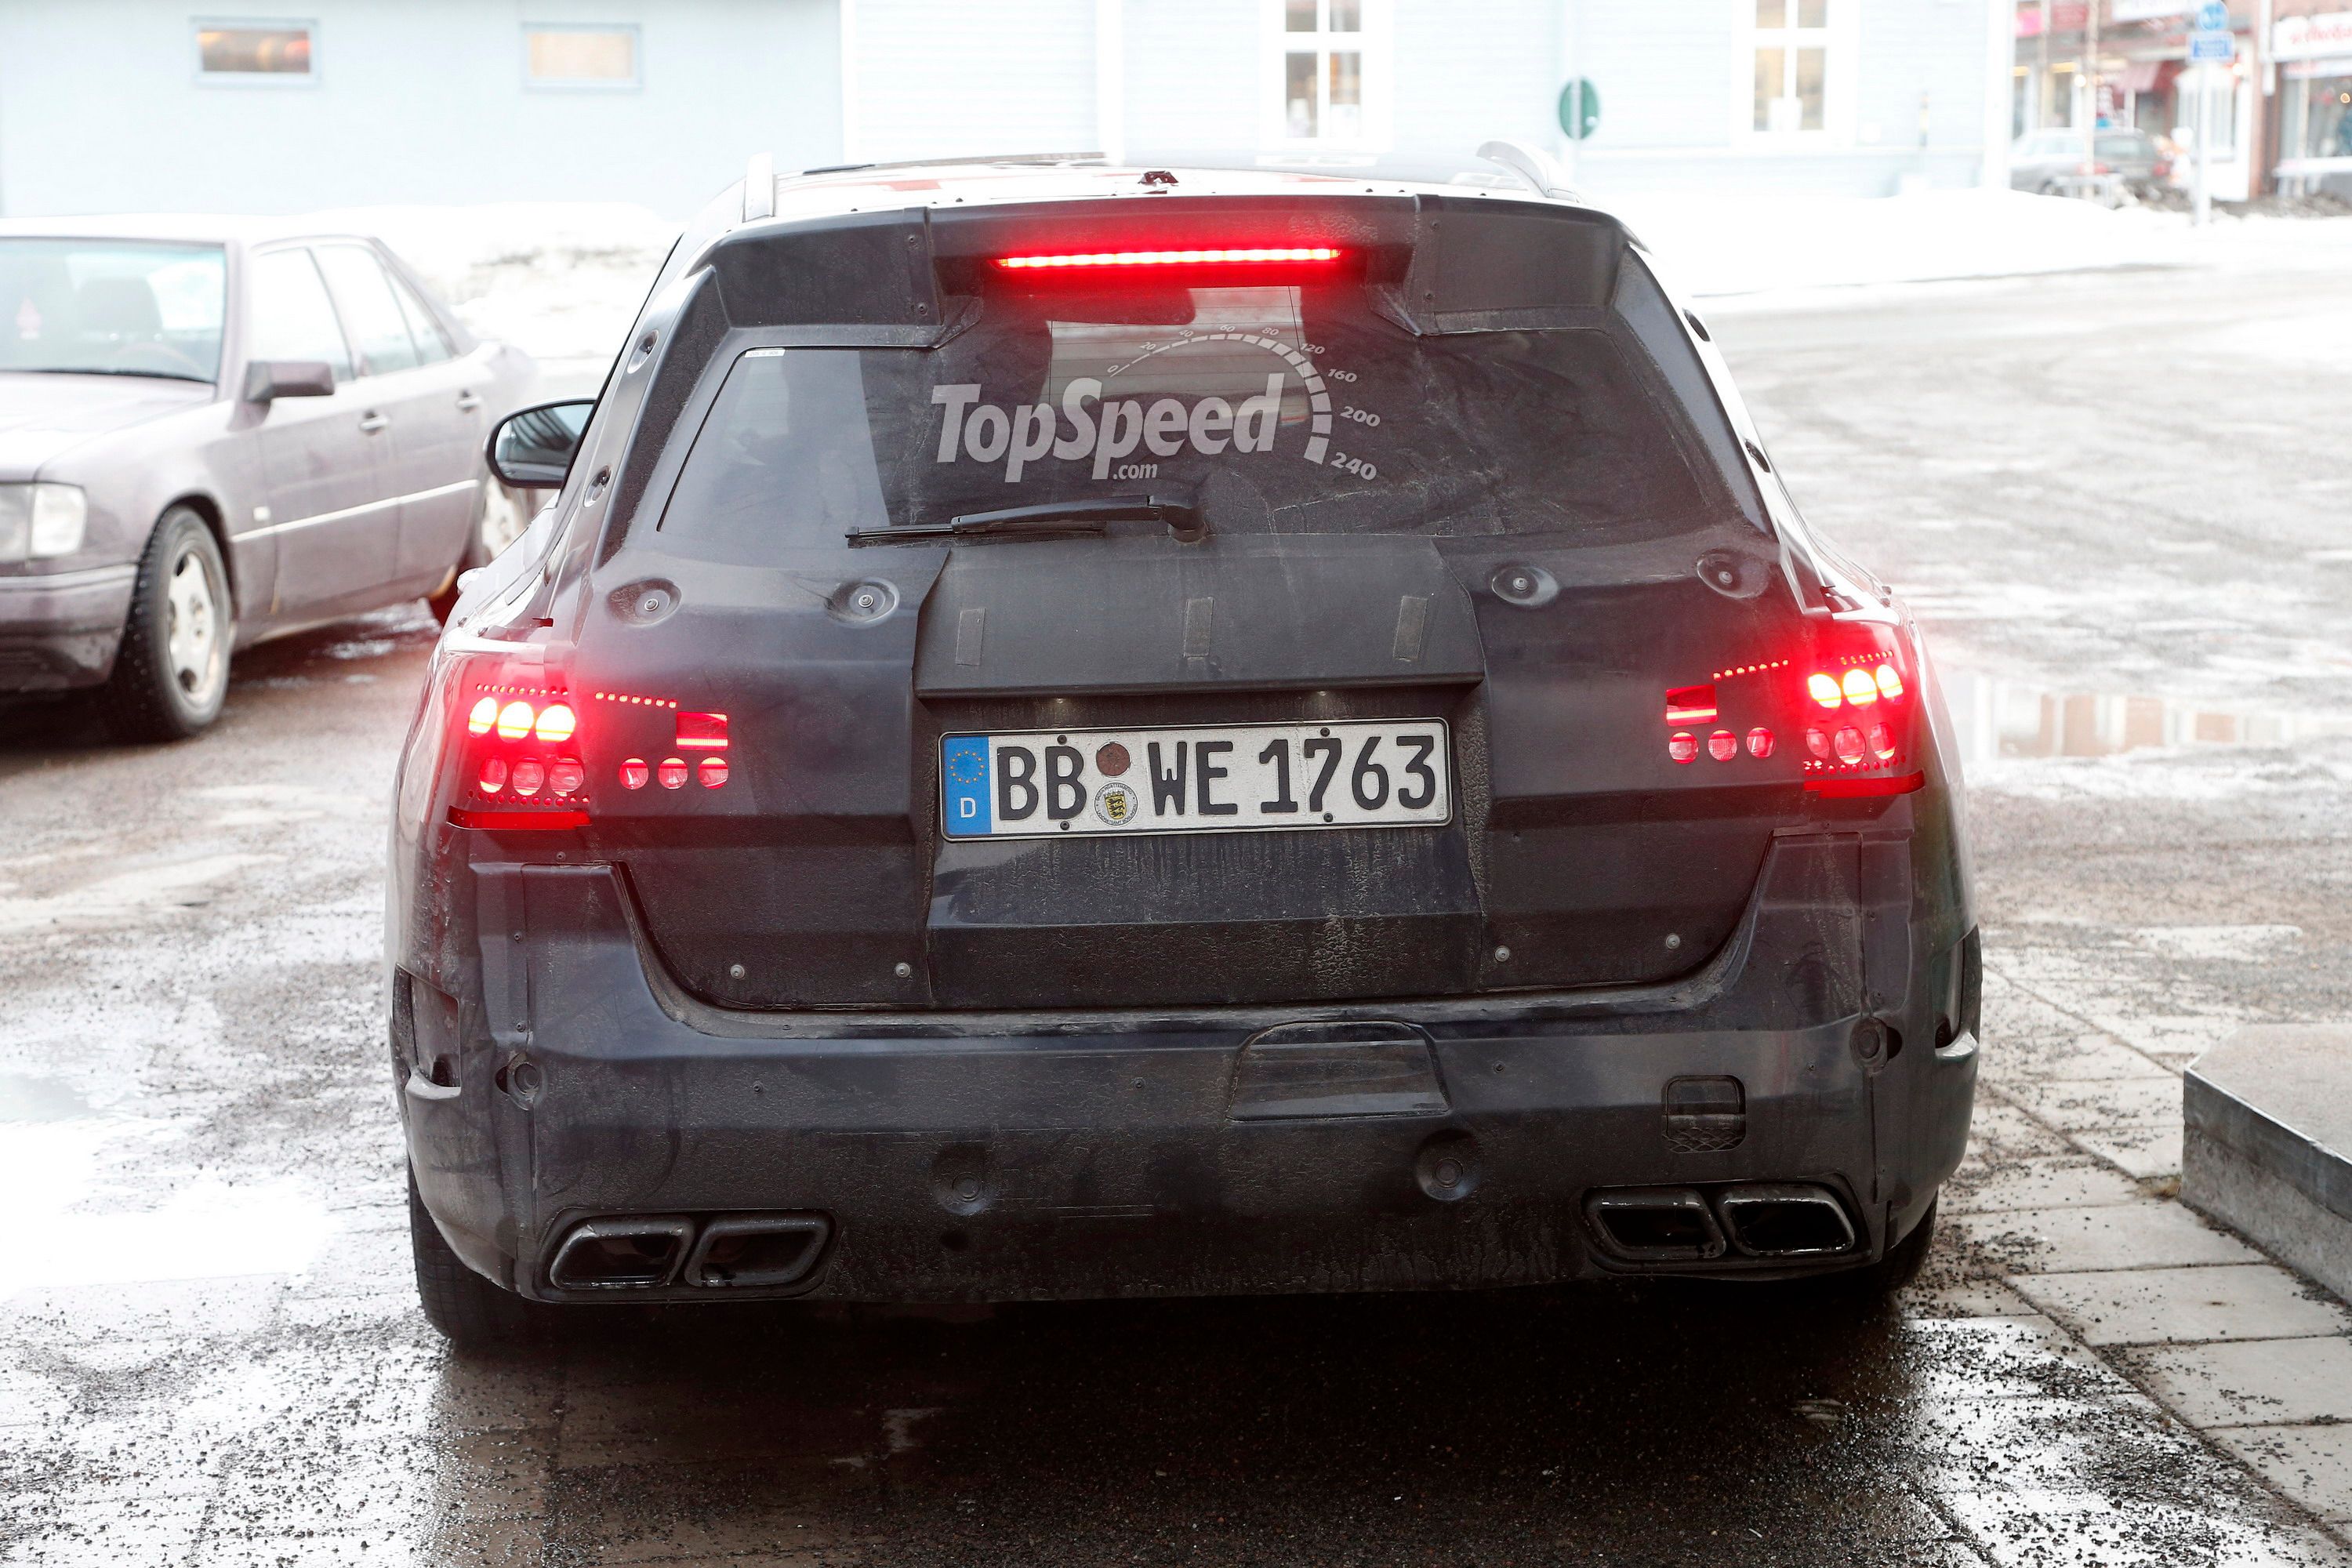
[1219,255]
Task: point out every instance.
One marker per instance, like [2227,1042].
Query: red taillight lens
[507,772]
[1722,745]
[1690,705]
[634,774]
[555,723]
[1760,742]
[712,772]
[1218,255]
[1683,747]
[1858,677]
[672,772]
[702,731]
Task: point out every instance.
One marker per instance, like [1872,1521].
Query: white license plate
[1199,778]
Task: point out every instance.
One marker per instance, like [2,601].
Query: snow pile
[1758,243]
[561,280]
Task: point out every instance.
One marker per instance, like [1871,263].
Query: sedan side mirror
[532,449]
[267,380]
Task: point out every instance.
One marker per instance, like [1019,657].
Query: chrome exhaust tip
[628,1253]
[1655,1224]
[758,1251]
[1785,1219]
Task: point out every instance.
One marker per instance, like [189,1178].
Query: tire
[1900,1265]
[476,1316]
[170,674]
[499,520]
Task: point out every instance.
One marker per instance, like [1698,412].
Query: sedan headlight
[38,521]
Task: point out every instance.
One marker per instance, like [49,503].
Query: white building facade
[114,105]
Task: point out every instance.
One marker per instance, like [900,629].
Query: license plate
[1201,778]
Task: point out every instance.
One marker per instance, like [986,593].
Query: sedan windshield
[111,307]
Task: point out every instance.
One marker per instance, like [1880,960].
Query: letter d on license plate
[1206,778]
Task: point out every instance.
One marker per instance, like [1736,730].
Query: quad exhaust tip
[649,1252]
[635,1253]
[758,1251]
[1756,1219]
[1785,1219]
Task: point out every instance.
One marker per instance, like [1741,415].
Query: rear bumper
[1003,1156]
[61,630]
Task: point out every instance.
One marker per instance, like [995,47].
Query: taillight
[1848,710]
[518,763]
[1861,725]
[528,752]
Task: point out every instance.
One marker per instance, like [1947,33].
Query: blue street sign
[2213,17]
[2218,48]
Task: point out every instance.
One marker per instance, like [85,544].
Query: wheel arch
[208,509]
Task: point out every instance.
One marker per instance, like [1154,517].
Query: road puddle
[1997,718]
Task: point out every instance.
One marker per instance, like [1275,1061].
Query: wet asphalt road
[2119,503]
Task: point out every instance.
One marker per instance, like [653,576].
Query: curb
[2268,1144]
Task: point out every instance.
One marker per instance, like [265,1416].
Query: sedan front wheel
[170,674]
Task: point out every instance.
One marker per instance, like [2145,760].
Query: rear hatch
[1364,692]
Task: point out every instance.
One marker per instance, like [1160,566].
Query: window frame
[1372,43]
[364,363]
[199,26]
[1836,38]
[634,82]
[251,305]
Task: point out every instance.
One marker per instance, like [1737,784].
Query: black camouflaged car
[1081,730]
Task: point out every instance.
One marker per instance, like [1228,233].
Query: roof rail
[948,160]
[1540,169]
[759,187]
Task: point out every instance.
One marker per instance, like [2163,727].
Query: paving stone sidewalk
[2064,1221]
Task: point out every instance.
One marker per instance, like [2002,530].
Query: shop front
[2314,55]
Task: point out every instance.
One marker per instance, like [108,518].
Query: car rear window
[1288,408]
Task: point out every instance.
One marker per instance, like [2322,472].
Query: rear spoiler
[1436,263]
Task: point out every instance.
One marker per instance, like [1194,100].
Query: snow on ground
[1764,245]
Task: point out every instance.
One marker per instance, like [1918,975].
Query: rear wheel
[1899,1266]
[474,1315]
[170,674]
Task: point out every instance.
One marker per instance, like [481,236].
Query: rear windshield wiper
[1047,519]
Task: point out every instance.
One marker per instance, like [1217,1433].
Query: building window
[2316,97]
[1323,45]
[254,51]
[1793,61]
[554,55]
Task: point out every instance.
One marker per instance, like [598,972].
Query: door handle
[467,402]
[373,422]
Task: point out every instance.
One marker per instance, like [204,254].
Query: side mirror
[532,449]
[267,380]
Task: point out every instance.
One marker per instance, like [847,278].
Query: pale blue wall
[415,101]
[423,100]
[976,77]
